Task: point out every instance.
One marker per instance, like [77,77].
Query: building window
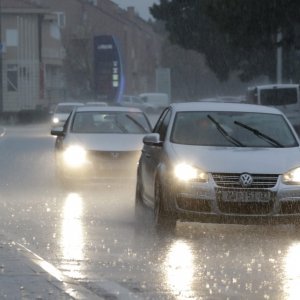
[61,19]
[11,36]
[12,77]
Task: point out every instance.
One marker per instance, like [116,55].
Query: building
[32,57]
[83,20]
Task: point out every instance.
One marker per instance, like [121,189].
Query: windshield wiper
[225,133]
[120,126]
[260,135]
[137,123]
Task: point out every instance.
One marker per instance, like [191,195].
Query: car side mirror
[58,131]
[152,139]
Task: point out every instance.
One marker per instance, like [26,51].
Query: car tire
[162,220]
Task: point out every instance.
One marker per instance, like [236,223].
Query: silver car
[100,142]
[219,162]
[62,112]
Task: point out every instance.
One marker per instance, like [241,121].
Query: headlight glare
[292,176]
[55,120]
[186,172]
[74,156]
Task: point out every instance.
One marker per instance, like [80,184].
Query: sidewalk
[24,275]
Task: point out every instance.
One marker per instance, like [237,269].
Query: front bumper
[204,202]
[95,168]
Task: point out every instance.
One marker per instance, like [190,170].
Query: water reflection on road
[292,272]
[179,269]
[72,236]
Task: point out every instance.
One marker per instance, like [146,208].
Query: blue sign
[109,83]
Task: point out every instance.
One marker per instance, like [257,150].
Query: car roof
[223,106]
[96,103]
[69,103]
[107,108]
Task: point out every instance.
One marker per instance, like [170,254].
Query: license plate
[244,196]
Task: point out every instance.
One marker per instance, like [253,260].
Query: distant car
[131,101]
[100,142]
[148,102]
[229,99]
[62,112]
[219,162]
[154,102]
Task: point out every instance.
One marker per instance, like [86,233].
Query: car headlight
[185,172]
[55,120]
[292,176]
[74,156]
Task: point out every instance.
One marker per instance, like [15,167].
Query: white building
[32,57]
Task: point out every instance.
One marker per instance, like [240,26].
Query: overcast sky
[141,6]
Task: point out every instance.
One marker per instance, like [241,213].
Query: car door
[151,155]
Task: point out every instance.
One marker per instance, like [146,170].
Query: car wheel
[162,220]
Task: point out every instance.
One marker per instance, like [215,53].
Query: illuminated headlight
[55,120]
[74,156]
[292,176]
[185,172]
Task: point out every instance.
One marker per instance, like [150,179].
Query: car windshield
[223,129]
[110,122]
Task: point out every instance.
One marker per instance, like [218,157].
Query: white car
[100,142]
[62,112]
[220,162]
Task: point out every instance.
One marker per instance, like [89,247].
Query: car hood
[238,160]
[107,142]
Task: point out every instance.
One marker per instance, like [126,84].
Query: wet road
[90,234]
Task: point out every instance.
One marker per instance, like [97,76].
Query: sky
[141,6]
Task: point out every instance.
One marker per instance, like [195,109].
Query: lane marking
[61,281]
[72,287]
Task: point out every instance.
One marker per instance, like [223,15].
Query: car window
[201,128]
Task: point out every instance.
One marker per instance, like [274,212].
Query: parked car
[219,162]
[148,102]
[131,101]
[154,102]
[100,142]
[62,112]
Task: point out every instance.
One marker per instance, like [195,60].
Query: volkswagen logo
[246,180]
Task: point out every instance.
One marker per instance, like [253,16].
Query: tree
[234,35]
